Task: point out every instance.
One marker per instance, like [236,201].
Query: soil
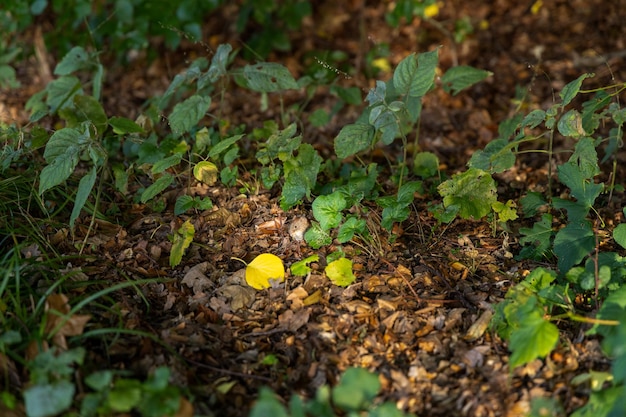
[418,313]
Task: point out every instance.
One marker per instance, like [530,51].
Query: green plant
[354,395]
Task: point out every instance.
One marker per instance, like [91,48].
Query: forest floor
[418,312]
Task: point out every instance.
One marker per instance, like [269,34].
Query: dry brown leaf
[58,324]
[195,278]
[238,295]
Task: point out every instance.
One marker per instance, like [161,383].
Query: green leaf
[473,191]
[48,400]
[571,125]
[349,228]
[376,95]
[340,272]
[188,113]
[425,164]
[415,74]
[75,60]
[166,163]
[85,109]
[99,380]
[268,405]
[461,77]
[619,234]
[218,64]
[302,268]
[505,211]
[316,237]
[536,240]
[158,186]
[84,189]
[125,395]
[62,153]
[582,189]
[396,213]
[531,203]
[572,243]
[61,91]
[356,389]
[535,338]
[534,119]
[386,122]
[300,175]
[327,210]
[180,242]
[571,89]
[497,157]
[223,145]
[353,138]
[268,77]
[122,126]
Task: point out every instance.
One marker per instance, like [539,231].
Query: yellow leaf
[431,11]
[264,269]
[205,172]
[382,64]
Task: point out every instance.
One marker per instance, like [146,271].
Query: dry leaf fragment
[478,328]
[58,324]
[195,278]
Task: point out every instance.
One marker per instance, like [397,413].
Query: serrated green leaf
[582,189]
[183,203]
[218,64]
[415,74]
[461,77]
[386,122]
[61,91]
[505,211]
[340,272]
[535,338]
[300,175]
[472,191]
[353,138]
[534,119]
[531,203]
[327,210]
[84,189]
[156,188]
[268,77]
[406,193]
[316,237]
[75,60]
[536,240]
[572,89]
[396,213]
[62,154]
[180,242]
[572,243]
[496,157]
[188,113]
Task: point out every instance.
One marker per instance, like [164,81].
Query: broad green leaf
[166,163]
[415,74]
[268,77]
[473,191]
[582,189]
[496,157]
[531,203]
[122,126]
[396,213]
[327,210]
[159,185]
[534,119]
[205,172]
[571,125]
[609,402]
[268,405]
[572,243]
[386,122]
[85,109]
[62,153]
[300,175]
[353,138]
[218,64]
[264,270]
[340,272]
[351,95]
[586,157]
[84,189]
[572,89]
[61,91]
[48,400]
[99,380]
[356,390]
[619,234]
[302,268]
[316,237]
[461,77]
[183,203]
[223,145]
[181,240]
[425,164]
[376,95]
[535,338]
[188,113]
[536,240]
[75,60]
[351,227]
[125,396]
[406,193]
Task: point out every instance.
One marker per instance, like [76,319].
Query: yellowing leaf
[431,11]
[205,172]
[340,272]
[264,269]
